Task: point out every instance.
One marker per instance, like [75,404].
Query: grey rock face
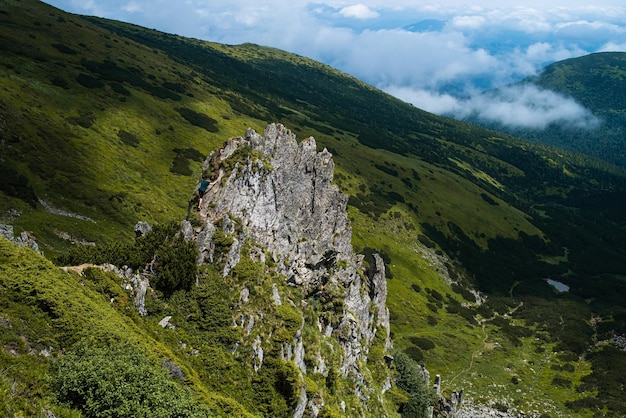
[6,231]
[24,240]
[137,284]
[287,202]
[280,194]
[142,228]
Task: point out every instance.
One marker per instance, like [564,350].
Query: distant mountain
[104,124]
[597,82]
[427,25]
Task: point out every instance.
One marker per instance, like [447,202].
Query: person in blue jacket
[204,185]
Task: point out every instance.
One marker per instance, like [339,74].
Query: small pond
[561,287]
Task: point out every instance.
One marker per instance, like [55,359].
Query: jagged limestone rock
[135,283]
[23,240]
[276,295]
[290,207]
[258,353]
[271,195]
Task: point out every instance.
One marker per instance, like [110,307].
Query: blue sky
[438,55]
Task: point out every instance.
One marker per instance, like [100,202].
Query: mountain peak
[273,197]
[282,192]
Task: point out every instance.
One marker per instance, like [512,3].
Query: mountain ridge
[595,82]
[112,122]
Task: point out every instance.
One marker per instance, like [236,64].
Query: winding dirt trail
[482,323]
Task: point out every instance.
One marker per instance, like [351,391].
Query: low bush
[88,81]
[17,185]
[128,138]
[198,119]
[119,381]
[411,380]
[423,343]
[277,387]
[85,120]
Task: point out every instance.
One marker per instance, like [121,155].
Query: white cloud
[468,22]
[475,46]
[613,47]
[526,107]
[531,107]
[359,11]
[427,100]
[133,7]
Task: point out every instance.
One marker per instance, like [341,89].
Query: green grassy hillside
[110,122]
[59,331]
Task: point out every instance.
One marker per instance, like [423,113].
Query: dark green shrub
[175,265]
[387,170]
[59,82]
[198,119]
[424,240]
[222,243]
[561,381]
[488,199]
[331,380]
[128,138]
[115,253]
[86,120]
[176,87]
[277,388]
[289,323]
[173,259]
[415,353]
[106,283]
[411,380]
[423,343]
[17,185]
[180,164]
[213,314]
[120,89]
[88,81]
[162,92]
[119,382]
[396,197]
[374,204]
[467,295]
[64,49]
[436,296]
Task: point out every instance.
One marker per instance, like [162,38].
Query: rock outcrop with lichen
[23,240]
[271,202]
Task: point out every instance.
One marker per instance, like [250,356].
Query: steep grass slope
[108,123]
[45,312]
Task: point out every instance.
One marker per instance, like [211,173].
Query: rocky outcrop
[23,240]
[284,196]
[136,284]
[142,228]
[273,196]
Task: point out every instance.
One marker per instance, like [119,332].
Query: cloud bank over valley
[440,56]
